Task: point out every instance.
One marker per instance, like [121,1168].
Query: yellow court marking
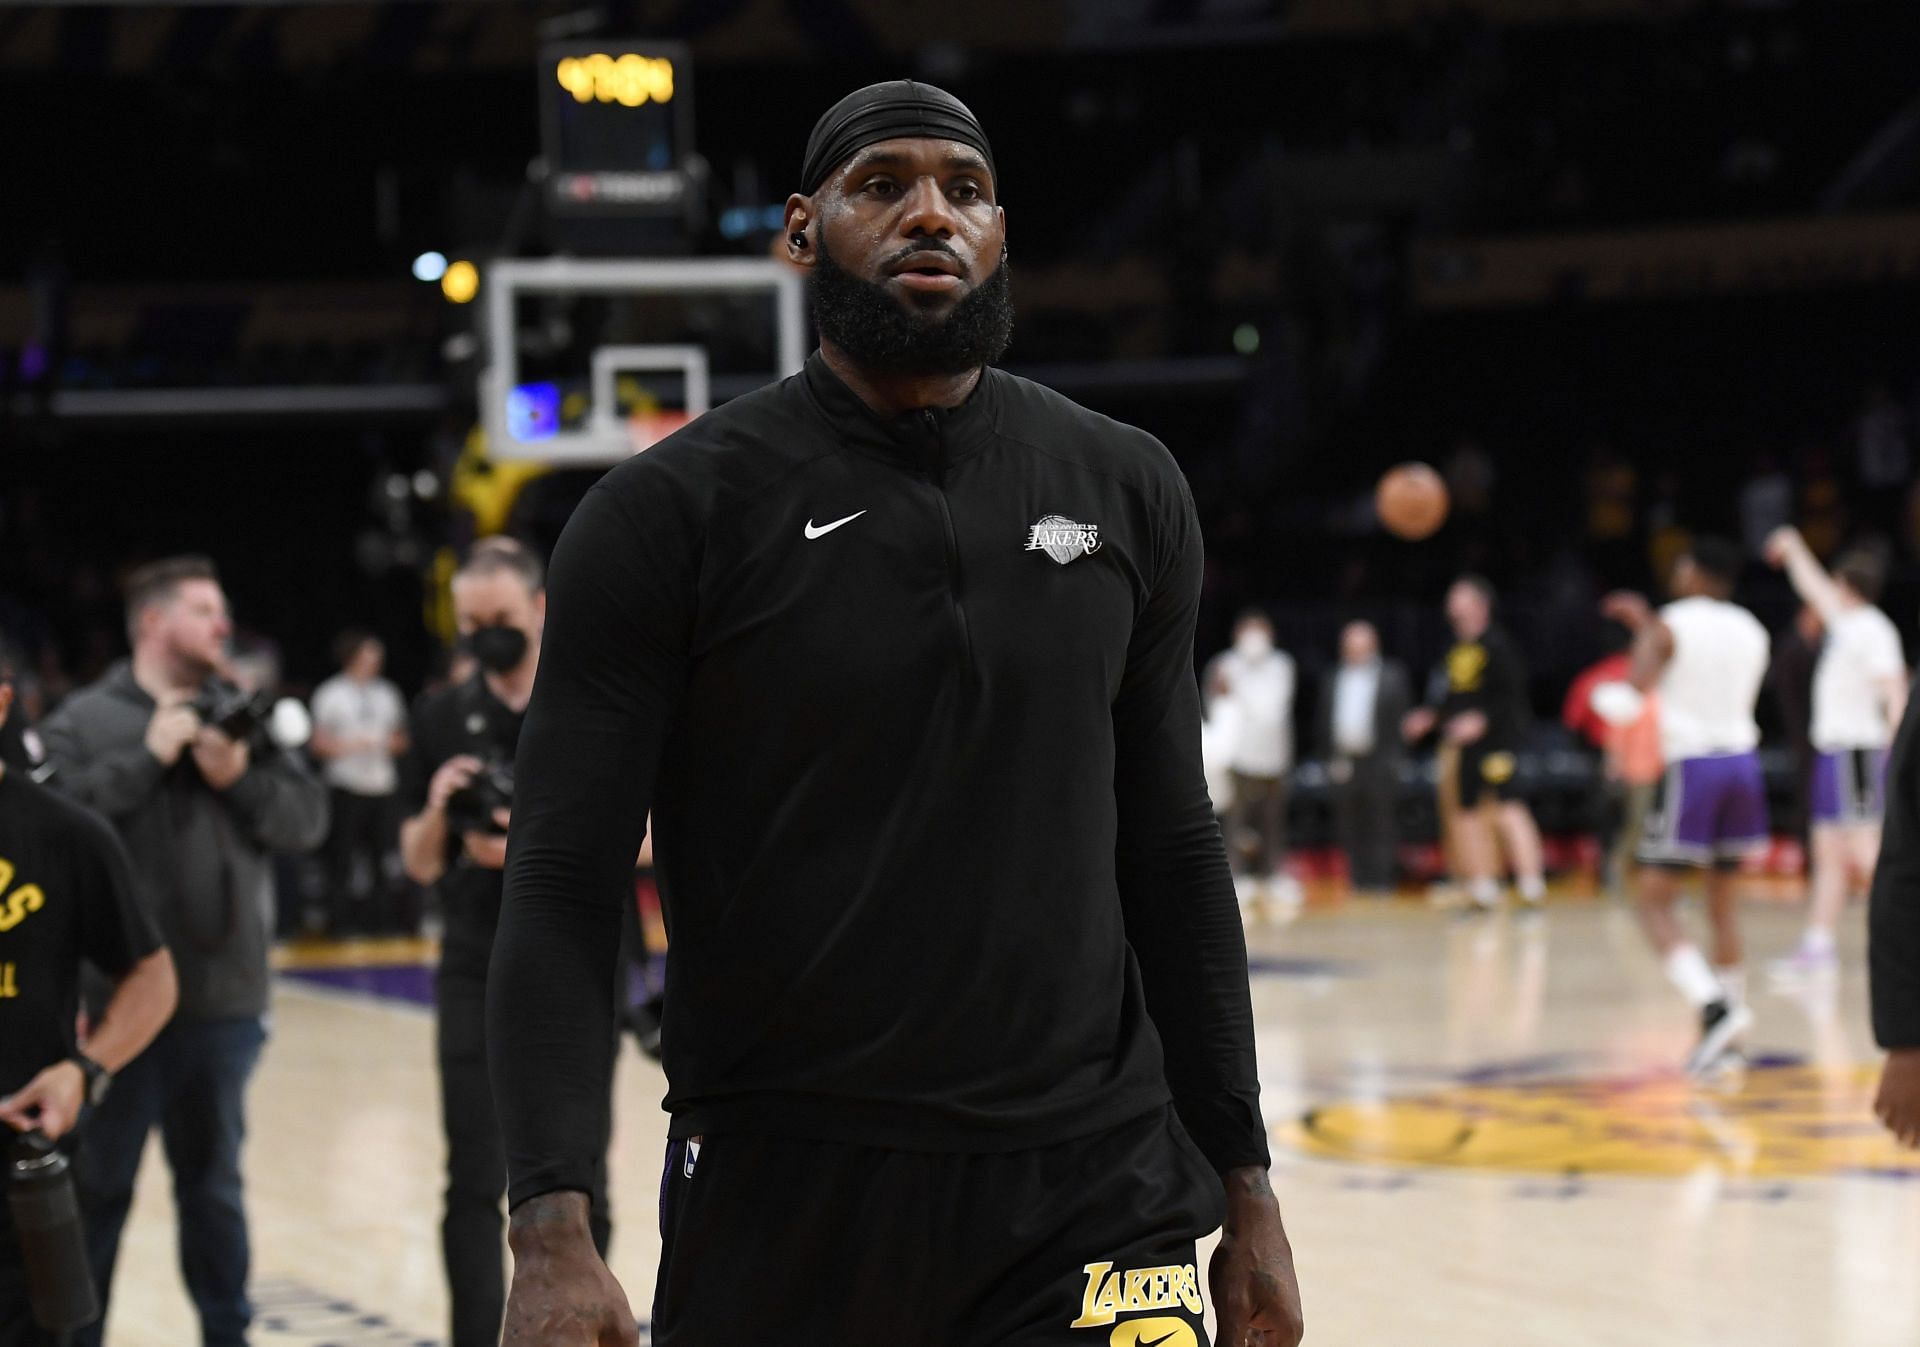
[384,952]
[1779,1122]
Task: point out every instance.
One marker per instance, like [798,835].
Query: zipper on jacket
[937,472]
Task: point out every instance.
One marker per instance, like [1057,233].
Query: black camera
[470,809]
[257,719]
[240,715]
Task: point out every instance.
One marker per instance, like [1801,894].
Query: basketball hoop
[646,429]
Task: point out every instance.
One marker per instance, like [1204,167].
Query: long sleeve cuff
[1227,1128]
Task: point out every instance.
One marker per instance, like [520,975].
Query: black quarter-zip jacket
[913,707]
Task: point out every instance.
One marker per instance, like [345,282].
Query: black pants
[472,1232]
[364,831]
[191,1083]
[1258,822]
[1363,816]
[772,1242]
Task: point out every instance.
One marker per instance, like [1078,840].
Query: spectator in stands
[1258,678]
[1361,707]
[1766,502]
[1883,458]
[1823,506]
[1613,488]
[359,732]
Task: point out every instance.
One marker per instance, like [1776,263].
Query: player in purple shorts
[1859,694]
[1706,656]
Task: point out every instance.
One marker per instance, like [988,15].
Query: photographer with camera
[459,780]
[175,757]
[66,894]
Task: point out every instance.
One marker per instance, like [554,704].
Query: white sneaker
[1805,963]
[1720,1024]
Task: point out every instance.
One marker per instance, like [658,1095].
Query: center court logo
[1063,539]
[1781,1122]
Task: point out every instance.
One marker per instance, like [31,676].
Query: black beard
[881,335]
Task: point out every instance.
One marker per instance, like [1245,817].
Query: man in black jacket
[899,652]
[1361,706]
[201,815]
[455,842]
[1893,926]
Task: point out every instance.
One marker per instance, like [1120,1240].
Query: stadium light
[461,283]
[429,267]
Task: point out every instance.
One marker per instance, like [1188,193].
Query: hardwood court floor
[1496,1153]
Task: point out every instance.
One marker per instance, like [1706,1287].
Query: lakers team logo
[1781,1122]
[1465,665]
[1063,539]
[1110,1294]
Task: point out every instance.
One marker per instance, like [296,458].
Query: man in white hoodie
[1256,679]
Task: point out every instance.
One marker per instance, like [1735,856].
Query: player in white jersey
[1707,657]
[1859,695]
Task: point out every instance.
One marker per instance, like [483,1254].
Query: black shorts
[1487,772]
[772,1242]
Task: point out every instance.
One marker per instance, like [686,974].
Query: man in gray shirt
[200,813]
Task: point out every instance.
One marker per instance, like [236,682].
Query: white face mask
[1253,645]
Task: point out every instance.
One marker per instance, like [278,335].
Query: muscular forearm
[1248,1188]
[142,1004]
[423,846]
[551,1219]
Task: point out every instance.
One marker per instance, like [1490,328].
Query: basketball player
[899,652]
[1483,714]
[1859,695]
[1893,921]
[1707,656]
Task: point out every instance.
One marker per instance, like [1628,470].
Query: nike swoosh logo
[825,529]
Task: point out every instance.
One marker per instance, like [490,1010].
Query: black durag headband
[887,112]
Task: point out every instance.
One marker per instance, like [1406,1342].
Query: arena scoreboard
[616,122]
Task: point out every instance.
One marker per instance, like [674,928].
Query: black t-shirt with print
[66,894]
[1488,675]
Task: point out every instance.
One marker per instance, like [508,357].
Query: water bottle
[53,1246]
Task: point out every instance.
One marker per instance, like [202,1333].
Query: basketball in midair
[1412,501]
